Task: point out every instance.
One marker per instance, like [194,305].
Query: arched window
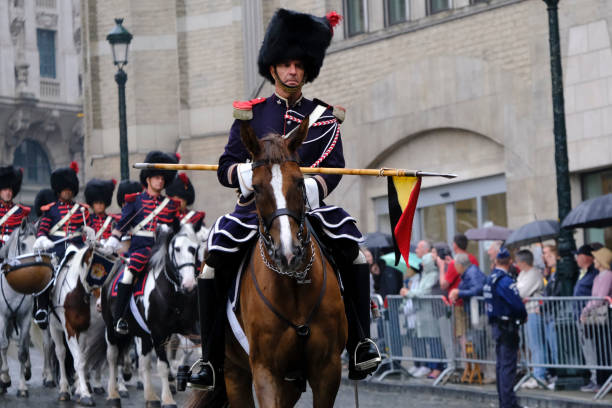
[30,156]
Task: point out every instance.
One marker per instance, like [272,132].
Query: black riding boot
[41,314]
[364,356]
[203,375]
[124,292]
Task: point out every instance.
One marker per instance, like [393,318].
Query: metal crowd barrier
[560,333]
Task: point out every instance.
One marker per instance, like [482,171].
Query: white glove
[245,178]
[112,245]
[43,243]
[312,192]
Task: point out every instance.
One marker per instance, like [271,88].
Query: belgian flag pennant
[403,195]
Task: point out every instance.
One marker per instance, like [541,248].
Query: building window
[436,6]
[30,156]
[355,13]
[397,11]
[595,185]
[46,52]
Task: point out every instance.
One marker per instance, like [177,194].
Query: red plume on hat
[184,179]
[178,156]
[333,18]
[74,166]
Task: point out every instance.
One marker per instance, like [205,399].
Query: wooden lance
[383,172]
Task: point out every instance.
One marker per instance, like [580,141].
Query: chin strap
[291,90]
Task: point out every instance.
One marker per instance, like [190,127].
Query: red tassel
[333,18]
[114,182]
[184,178]
[178,156]
[75,166]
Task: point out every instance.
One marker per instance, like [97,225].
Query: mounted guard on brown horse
[269,222]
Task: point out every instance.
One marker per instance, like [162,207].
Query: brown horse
[291,308]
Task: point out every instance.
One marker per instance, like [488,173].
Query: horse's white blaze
[281,202]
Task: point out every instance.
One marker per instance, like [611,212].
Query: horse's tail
[95,349]
[209,399]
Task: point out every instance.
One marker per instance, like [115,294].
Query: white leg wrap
[127,277]
[208,272]
[361,259]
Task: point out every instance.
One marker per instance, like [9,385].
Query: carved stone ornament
[16,29]
[46,20]
[77,138]
[17,126]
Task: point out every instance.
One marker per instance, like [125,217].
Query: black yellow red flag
[403,193]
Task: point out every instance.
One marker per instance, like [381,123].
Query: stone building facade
[41,124]
[457,86]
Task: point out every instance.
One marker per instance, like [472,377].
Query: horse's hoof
[127,376]
[114,402]
[139,385]
[152,404]
[124,394]
[98,391]
[64,396]
[173,389]
[27,374]
[48,383]
[87,402]
[23,393]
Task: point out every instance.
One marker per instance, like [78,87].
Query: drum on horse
[16,309]
[296,330]
[167,305]
[71,312]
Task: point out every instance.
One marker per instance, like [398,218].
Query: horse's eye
[177,249]
[192,250]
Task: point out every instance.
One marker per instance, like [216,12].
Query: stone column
[7,55]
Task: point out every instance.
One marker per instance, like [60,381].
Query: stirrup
[119,330]
[201,363]
[368,364]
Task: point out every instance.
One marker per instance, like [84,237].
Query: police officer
[291,55]
[142,212]
[182,190]
[506,313]
[61,219]
[11,214]
[98,196]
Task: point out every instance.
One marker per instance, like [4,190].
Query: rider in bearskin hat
[127,187]
[142,213]
[11,214]
[182,190]
[60,219]
[98,196]
[291,55]
[43,197]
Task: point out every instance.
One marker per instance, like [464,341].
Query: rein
[174,277]
[302,330]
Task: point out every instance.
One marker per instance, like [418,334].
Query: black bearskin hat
[127,187]
[66,178]
[293,35]
[11,177]
[100,190]
[159,157]
[44,197]
[181,187]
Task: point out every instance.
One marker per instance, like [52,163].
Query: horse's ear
[249,139]
[297,138]
[198,225]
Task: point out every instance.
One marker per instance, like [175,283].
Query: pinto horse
[168,306]
[291,308]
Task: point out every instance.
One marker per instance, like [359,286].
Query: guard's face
[66,195]
[156,182]
[291,73]
[6,194]
[99,207]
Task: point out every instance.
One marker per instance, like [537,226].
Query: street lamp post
[566,266]
[119,39]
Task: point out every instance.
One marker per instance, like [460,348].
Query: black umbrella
[492,233]
[593,213]
[536,231]
[378,240]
